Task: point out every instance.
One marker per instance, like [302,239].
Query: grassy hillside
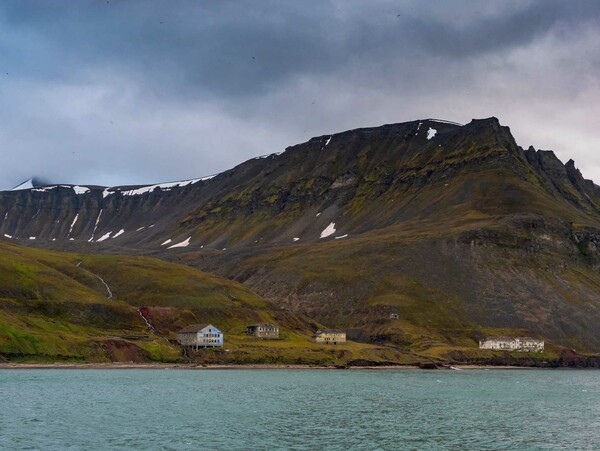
[53,305]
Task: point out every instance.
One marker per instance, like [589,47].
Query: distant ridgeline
[454,229]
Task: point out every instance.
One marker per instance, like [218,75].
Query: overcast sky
[125,92]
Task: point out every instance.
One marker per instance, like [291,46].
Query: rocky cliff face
[455,227]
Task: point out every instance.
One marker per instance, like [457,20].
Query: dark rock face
[568,358]
[496,235]
[366,176]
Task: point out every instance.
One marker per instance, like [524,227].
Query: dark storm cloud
[131,91]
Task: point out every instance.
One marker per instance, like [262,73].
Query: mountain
[454,227]
[28,184]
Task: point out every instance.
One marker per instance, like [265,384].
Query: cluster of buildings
[206,335]
[519,344]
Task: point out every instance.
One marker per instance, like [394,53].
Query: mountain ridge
[96,199]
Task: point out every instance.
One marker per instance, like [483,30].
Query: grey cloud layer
[130,92]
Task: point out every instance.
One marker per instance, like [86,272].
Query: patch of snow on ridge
[166,242]
[32,238]
[296,239]
[80,189]
[140,229]
[106,192]
[431,133]
[162,186]
[25,185]
[103,237]
[120,232]
[340,237]
[329,230]
[184,243]
[77,189]
[329,140]
[442,121]
[261,157]
[8,236]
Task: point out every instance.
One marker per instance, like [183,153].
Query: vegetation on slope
[54,305]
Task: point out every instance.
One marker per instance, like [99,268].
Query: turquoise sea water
[299,409]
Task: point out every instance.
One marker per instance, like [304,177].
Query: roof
[510,338]
[501,337]
[194,328]
[330,331]
[263,325]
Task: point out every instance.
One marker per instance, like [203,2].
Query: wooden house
[200,336]
[329,336]
[263,330]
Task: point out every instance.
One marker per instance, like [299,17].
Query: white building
[200,336]
[263,330]
[519,344]
[329,336]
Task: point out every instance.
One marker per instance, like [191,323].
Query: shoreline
[187,366]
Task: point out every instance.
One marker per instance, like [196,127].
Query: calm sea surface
[299,409]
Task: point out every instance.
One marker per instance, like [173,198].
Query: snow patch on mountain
[272,155]
[329,230]
[25,185]
[162,186]
[80,189]
[103,237]
[431,133]
[73,223]
[95,226]
[184,243]
[441,121]
[120,232]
